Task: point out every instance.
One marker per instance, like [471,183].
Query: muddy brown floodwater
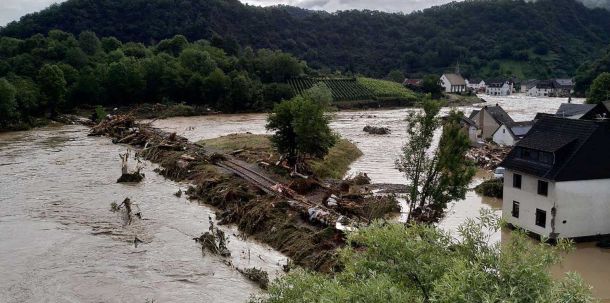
[59,241]
[380,152]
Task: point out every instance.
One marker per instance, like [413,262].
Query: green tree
[89,42]
[430,86]
[110,44]
[216,86]
[125,80]
[53,87]
[197,61]
[301,129]
[420,263]
[321,94]
[435,177]
[396,76]
[8,104]
[600,89]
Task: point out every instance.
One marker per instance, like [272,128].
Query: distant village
[455,83]
[556,177]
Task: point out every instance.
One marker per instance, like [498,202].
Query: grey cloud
[11,10]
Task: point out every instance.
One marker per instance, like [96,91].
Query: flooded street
[380,152]
[61,243]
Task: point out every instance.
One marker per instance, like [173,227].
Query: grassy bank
[253,148]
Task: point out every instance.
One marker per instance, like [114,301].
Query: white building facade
[573,209]
[503,88]
[452,83]
[557,179]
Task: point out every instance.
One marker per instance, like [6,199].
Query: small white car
[499,172]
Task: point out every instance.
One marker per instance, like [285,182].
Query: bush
[491,188]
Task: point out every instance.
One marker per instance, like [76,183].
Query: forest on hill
[540,39]
[42,76]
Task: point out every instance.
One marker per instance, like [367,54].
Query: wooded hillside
[537,39]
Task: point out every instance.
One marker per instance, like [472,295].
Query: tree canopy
[600,89]
[389,262]
[436,175]
[530,39]
[301,128]
[60,71]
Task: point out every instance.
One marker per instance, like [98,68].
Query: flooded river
[59,241]
[380,152]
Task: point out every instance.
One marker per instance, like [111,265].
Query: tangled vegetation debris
[214,241]
[488,156]
[256,275]
[374,130]
[282,218]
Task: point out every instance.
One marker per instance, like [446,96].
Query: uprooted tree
[301,129]
[438,175]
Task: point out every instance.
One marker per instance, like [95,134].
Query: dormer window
[535,156]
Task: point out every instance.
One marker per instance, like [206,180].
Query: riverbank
[298,217]
[257,149]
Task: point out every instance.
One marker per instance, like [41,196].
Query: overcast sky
[11,10]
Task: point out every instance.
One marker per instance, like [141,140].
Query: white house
[489,119]
[509,134]
[557,179]
[453,83]
[499,87]
[476,85]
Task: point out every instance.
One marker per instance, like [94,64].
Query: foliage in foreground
[419,263]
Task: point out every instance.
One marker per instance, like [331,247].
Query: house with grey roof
[453,83]
[557,179]
[476,85]
[509,134]
[489,119]
[499,87]
[584,111]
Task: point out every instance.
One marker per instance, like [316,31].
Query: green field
[356,89]
[383,89]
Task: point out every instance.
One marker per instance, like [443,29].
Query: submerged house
[509,134]
[499,87]
[557,179]
[563,87]
[453,83]
[489,119]
[476,85]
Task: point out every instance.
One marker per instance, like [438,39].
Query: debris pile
[488,156]
[127,176]
[374,130]
[214,241]
[299,221]
[256,275]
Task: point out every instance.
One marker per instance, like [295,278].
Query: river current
[59,241]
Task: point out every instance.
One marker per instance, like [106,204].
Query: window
[517,181]
[515,211]
[543,188]
[540,218]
